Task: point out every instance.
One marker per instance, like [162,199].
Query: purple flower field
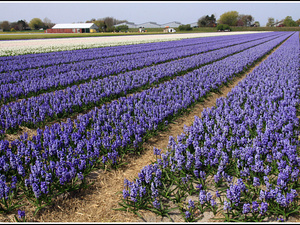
[247,145]
[241,158]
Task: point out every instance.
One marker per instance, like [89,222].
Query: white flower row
[31,46]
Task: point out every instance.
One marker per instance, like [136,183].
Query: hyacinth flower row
[52,161]
[23,62]
[38,110]
[53,81]
[70,56]
[75,44]
[145,57]
[245,147]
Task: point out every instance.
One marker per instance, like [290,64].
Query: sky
[139,12]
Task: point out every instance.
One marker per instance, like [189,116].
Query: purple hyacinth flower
[213,203]
[246,208]
[21,214]
[191,204]
[202,197]
[187,214]
[156,151]
[256,182]
[125,193]
[227,206]
[156,204]
[263,208]
[255,206]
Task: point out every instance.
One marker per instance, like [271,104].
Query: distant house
[195,24]
[171,24]
[278,24]
[169,30]
[129,24]
[256,24]
[73,28]
[149,25]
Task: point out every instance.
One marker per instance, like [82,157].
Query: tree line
[287,22]
[20,25]
[233,18]
[108,24]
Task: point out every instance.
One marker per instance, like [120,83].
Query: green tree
[270,22]
[289,22]
[100,24]
[222,27]
[122,28]
[185,27]
[298,22]
[36,23]
[257,23]
[91,21]
[106,24]
[230,18]
[207,21]
[22,24]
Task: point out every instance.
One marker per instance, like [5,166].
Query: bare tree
[245,20]
[109,22]
[5,25]
[47,22]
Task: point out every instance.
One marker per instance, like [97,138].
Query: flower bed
[58,157]
[21,47]
[241,157]
[24,62]
[36,111]
[37,81]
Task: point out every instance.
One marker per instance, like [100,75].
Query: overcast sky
[144,11]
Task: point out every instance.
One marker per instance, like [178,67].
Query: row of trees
[19,25]
[207,21]
[287,22]
[106,24]
[233,18]
[34,24]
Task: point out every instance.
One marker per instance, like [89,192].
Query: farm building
[171,24]
[149,25]
[195,24]
[168,29]
[129,24]
[73,28]
[278,24]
